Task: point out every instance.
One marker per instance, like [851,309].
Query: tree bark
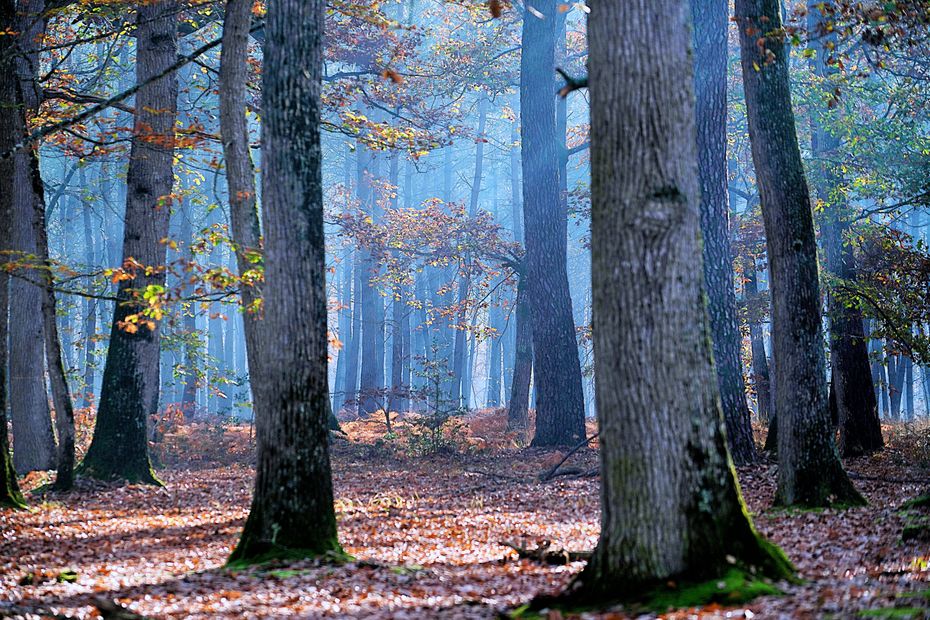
[518,409]
[33,439]
[670,503]
[240,176]
[90,309]
[292,511]
[860,430]
[61,394]
[810,472]
[10,127]
[129,394]
[557,369]
[760,363]
[711,24]
[371,375]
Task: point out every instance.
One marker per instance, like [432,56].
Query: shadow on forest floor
[426,534]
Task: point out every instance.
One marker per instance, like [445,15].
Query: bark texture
[857,407]
[518,409]
[61,393]
[809,469]
[240,173]
[33,439]
[670,502]
[10,495]
[711,21]
[129,394]
[556,366]
[292,511]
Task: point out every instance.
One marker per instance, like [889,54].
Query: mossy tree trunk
[711,20]
[129,394]
[809,469]
[857,407]
[671,505]
[556,366]
[292,512]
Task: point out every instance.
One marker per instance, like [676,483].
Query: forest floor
[426,533]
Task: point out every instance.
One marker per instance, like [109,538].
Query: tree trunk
[517,412]
[760,363]
[371,376]
[355,341]
[857,408]
[33,439]
[711,21]
[292,511]
[129,394]
[345,332]
[670,502]
[810,472]
[240,176]
[557,369]
[10,130]
[61,394]
[90,309]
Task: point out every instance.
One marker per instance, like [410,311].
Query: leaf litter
[426,536]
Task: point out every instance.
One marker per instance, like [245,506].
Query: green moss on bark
[252,552]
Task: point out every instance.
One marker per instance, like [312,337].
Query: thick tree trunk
[557,369]
[33,439]
[670,503]
[292,511]
[129,394]
[240,175]
[10,130]
[810,471]
[860,431]
[711,21]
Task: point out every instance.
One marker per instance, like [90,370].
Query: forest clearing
[425,534]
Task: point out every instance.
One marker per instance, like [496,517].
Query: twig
[543,553]
[549,475]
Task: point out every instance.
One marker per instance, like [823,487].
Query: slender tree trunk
[670,503]
[857,408]
[557,369]
[371,376]
[517,412]
[355,341]
[292,511]
[711,21]
[61,394]
[90,309]
[240,176]
[345,332]
[129,394]
[810,472]
[760,363]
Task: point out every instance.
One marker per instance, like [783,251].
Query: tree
[292,510]
[10,495]
[810,472]
[240,173]
[129,394]
[33,439]
[711,20]
[671,506]
[860,430]
[556,367]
